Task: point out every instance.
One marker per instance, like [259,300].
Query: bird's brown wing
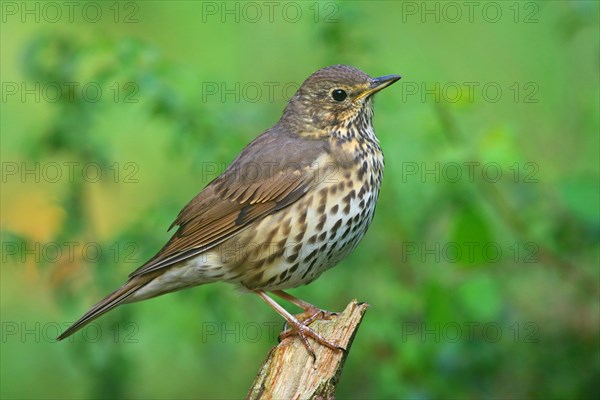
[272,172]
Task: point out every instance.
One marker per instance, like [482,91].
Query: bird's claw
[300,327]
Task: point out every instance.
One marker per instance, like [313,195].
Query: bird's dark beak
[377,84]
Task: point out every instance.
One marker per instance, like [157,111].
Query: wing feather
[233,201]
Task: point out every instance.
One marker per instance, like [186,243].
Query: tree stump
[289,371]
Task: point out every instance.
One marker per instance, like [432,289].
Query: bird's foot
[300,327]
[303,331]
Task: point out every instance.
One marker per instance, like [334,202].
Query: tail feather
[105,305]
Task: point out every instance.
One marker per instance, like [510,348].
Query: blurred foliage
[444,323]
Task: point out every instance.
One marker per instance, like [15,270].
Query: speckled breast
[295,245]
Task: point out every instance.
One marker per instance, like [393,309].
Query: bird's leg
[311,312]
[297,327]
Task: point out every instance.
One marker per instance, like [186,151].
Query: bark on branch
[289,371]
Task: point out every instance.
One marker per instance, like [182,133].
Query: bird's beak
[377,84]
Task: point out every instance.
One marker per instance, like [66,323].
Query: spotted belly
[293,247]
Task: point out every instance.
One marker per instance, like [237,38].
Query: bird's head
[331,98]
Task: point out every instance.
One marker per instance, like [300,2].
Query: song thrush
[294,202]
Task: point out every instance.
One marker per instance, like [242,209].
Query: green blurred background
[481,285]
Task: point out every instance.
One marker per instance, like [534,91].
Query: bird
[294,203]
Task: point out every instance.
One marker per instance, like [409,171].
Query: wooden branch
[289,371]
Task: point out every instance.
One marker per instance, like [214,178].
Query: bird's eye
[339,95]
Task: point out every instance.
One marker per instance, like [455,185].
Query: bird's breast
[295,245]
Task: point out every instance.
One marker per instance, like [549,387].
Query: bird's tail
[105,305]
